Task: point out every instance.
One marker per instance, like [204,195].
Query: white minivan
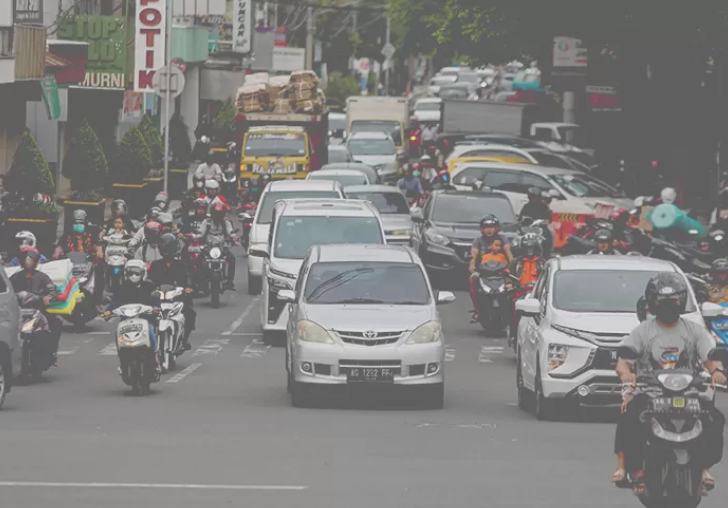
[296,226]
[275,191]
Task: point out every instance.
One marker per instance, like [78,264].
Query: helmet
[135,271]
[153,214]
[217,209]
[668,195]
[666,296]
[198,181]
[152,230]
[425,158]
[720,265]
[534,194]
[119,205]
[603,235]
[200,204]
[489,221]
[30,253]
[229,171]
[25,239]
[161,200]
[168,246]
[165,220]
[80,217]
[530,244]
[211,184]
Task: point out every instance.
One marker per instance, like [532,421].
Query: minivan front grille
[369,338]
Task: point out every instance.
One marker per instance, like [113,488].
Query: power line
[315,6]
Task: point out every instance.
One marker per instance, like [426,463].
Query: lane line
[66,351]
[189,370]
[211,347]
[187,486]
[486,351]
[256,349]
[449,354]
[109,350]
[99,333]
[248,334]
[239,321]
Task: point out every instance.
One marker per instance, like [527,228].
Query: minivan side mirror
[286,295]
[529,306]
[417,215]
[259,253]
[711,310]
[444,297]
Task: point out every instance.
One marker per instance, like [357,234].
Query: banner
[281,34]
[149,42]
[106,38]
[133,105]
[242,26]
[52,101]
[28,12]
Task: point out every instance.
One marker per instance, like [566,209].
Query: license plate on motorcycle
[370,375]
[194,249]
[134,328]
[678,402]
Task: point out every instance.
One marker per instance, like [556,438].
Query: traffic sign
[176,81]
[388,50]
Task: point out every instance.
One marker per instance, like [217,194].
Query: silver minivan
[10,347]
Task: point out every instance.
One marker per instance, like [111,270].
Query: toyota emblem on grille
[370,334]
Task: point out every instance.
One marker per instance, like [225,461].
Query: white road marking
[99,333]
[89,340]
[449,354]
[109,350]
[250,334]
[487,351]
[189,370]
[239,321]
[187,486]
[67,351]
[211,347]
[255,349]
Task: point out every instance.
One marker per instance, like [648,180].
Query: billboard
[149,47]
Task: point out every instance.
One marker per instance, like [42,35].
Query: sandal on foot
[708,483]
[638,484]
[475,318]
[619,478]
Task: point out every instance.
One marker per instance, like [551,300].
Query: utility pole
[387,62]
[168,65]
[309,37]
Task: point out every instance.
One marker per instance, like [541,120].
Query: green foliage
[339,87]
[29,173]
[134,159]
[85,164]
[153,140]
[224,121]
[179,141]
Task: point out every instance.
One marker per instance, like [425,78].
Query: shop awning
[53,61]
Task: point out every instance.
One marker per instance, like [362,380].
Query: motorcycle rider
[161,201]
[33,281]
[212,193]
[171,271]
[217,227]
[536,208]
[135,288]
[191,223]
[25,240]
[489,229]
[167,222]
[427,169]
[209,170]
[138,238]
[667,341]
[719,217]
[119,210]
[409,185]
[603,241]
[718,282]
[528,266]
[149,250]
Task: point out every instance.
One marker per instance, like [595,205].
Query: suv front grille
[605,359]
[359,338]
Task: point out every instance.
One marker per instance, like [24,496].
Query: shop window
[6,42]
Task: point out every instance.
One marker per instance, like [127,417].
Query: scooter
[171,325]
[190,255]
[138,362]
[37,355]
[229,185]
[246,217]
[115,257]
[216,268]
[83,270]
[494,296]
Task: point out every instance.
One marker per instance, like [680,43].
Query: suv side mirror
[417,215]
[259,253]
[286,295]
[711,310]
[444,297]
[529,306]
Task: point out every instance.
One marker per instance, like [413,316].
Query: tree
[85,164]
[179,139]
[339,88]
[134,160]
[153,140]
[224,122]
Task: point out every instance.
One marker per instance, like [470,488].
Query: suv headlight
[436,237]
[426,334]
[557,355]
[308,331]
[278,284]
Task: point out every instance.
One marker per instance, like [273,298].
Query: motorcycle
[115,256]
[494,296]
[719,327]
[229,185]
[83,271]
[216,268]
[138,362]
[246,217]
[35,333]
[688,258]
[674,430]
[718,243]
[171,325]
[190,255]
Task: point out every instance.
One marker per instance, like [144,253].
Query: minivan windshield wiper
[361,300]
[336,281]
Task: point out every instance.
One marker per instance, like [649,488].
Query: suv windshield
[386,202]
[618,290]
[392,128]
[280,144]
[366,283]
[585,186]
[265,210]
[295,235]
[466,209]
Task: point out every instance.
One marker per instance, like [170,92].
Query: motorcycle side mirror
[554,194]
[711,310]
[157,294]
[628,353]
[719,354]
[529,306]
[639,201]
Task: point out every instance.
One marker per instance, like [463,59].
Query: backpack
[530,270]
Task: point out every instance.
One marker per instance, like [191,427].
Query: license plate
[370,375]
[678,402]
[194,249]
[137,327]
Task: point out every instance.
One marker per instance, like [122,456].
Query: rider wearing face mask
[410,185]
[666,342]
[603,242]
[212,193]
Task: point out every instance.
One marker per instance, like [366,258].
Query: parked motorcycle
[494,296]
[674,430]
[138,362]
[115,255]
[37,355]
[171,325]
[83,271]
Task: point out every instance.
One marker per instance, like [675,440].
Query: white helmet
[212,184]
[668,195]
[25,239]
[135,271]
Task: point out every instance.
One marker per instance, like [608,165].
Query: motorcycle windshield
[494,282]
[491,268]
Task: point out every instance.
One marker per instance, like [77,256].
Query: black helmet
[489,221]
[535,194]
[168,246]
[666,295]
[603,236]
[530,244]
[30,254]
[720,265]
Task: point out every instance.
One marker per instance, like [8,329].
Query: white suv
[581,309]
[299,224]
[274,191]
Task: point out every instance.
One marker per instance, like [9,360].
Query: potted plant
[132,165]
[155,179]
[30,185]
[85,165]
[181,154]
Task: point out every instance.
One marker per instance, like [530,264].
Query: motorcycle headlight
[215,253]
[436,237]
[718,238]
[557,355]
[130,311]
[426,334]
[675,382]
[308,331]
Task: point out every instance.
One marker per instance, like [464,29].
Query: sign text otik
[150,42]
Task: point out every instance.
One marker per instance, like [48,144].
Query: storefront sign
[288,59]
[106,38]
[28,12]
[569,52]
[51,98]
[603,99]
[242,25]
[149,42]
[281,34]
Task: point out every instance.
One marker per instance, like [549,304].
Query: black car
[449,221]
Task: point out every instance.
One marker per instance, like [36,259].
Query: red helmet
[218,206]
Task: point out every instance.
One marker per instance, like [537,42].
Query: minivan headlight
[557,355]
[436,237]
[308,331]
[426,334]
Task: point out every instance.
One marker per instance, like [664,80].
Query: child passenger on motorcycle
[718,283]
[489,227]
